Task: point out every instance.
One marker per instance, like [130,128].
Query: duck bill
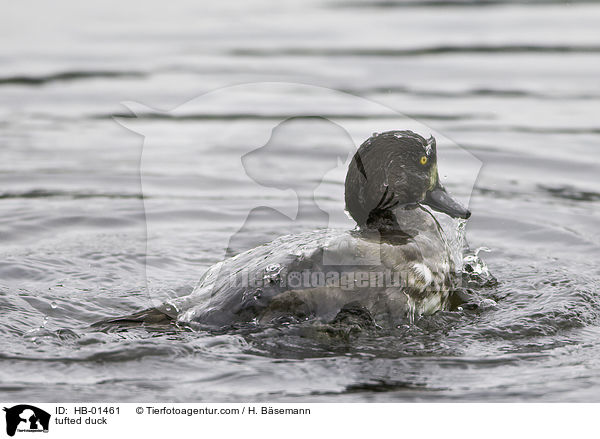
[438,199]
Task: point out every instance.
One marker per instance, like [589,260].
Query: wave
[385,4]
[66,76]
[476,92]
[533,130]
[42,193]
[570,193]
[417,51]
[280,116]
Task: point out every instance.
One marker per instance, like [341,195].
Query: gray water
[98,222]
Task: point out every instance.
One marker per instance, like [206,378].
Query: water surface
[96,223]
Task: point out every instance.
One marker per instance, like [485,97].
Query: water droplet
[272,272]
[487,304]
[411,309]
[53,305]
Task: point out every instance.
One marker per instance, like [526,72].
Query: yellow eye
[424,160]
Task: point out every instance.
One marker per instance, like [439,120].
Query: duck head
[396,169]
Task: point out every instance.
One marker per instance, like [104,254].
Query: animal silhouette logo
[26,418]
[291,162]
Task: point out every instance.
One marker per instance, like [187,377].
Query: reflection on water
[493,77]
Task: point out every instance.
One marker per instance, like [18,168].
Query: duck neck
[382,220]
[404,220]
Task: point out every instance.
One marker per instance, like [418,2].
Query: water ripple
[417,51]
[75,75]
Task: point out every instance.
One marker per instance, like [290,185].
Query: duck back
[392,274]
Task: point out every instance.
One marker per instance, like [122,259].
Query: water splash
[474,264]
[411,309]
[272,272]
[456,239]
[475,271]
